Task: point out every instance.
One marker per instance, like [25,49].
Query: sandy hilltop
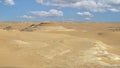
[59,45]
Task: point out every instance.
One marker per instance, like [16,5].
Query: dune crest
[46,27]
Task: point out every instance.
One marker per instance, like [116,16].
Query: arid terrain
[59,45]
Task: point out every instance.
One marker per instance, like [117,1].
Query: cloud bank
[50,13]
[9,2]
[87,15]
[26,17]
[90,5]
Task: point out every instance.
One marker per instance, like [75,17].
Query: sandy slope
[59,45]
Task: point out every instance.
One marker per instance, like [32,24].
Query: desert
[59,45]
[59,33]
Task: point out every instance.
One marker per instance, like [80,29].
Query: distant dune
[59,45]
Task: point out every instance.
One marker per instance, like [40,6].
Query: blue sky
[60,10]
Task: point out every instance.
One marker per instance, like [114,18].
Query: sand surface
[59,45]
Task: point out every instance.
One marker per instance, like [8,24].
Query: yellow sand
[59,45]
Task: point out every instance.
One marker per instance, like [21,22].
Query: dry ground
[59,45]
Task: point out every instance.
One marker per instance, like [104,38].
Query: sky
[60,10]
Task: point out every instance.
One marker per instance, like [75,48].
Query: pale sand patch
[58,54]
[99,52]
[64,52]
[115,57]
[84,31]
[50,57]
[54,28]
[21,42]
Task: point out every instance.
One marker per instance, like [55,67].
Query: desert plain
[59,45]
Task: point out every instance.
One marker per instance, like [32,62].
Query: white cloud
[114,10]
[86,14]
[40,1]
[27,17]
[9,2]
[91,5]
[50,13]
[87,18]
[113,1]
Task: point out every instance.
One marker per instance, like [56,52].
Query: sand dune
[46,27]
[59,45]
